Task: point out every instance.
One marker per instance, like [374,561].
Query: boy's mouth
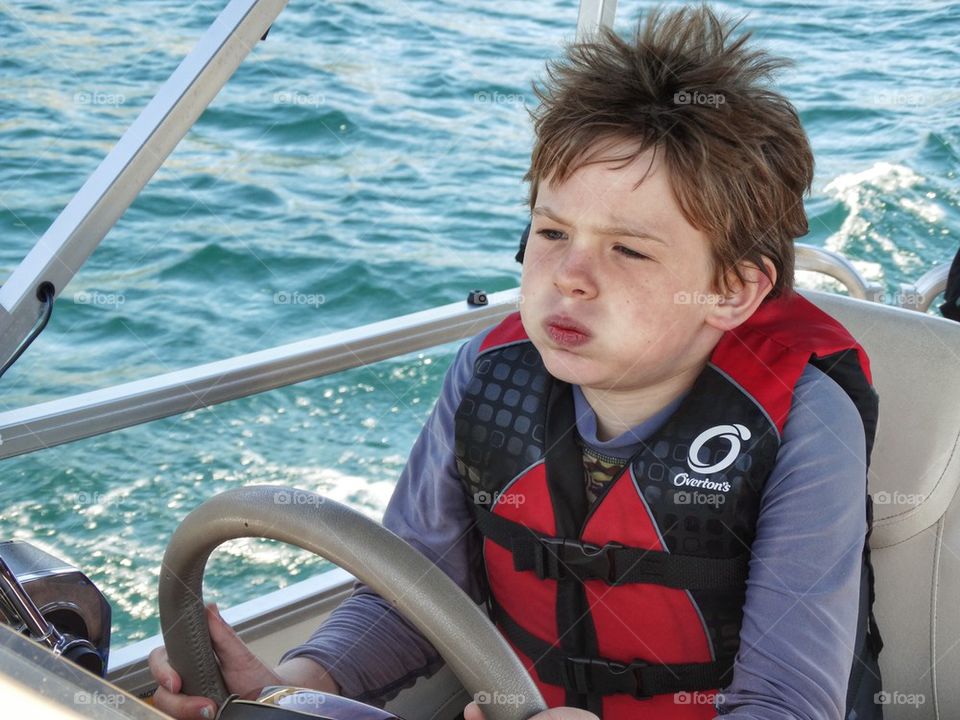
[565,332]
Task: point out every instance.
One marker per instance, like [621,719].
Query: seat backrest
[913,477]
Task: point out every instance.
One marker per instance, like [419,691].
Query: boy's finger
[230,649]
[162,671]
[184,707]
[472,712]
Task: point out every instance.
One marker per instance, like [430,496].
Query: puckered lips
[565,331]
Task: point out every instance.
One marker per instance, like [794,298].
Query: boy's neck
[620,410]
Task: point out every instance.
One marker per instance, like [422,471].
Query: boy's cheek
[529,322]
[525,304]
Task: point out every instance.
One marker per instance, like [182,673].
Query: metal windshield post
[593,15]
[119,178]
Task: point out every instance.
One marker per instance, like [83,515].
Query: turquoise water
[367,158]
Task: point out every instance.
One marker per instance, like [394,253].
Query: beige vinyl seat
[914,476]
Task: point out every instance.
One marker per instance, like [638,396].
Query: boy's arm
[365,646]
[800,614]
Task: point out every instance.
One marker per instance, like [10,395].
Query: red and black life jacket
[632,607]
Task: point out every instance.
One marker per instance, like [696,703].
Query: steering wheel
[421,592]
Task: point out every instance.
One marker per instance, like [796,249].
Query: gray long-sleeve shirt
[800,613]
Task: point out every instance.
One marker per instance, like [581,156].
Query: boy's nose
[574,275]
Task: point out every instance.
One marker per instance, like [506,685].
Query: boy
[644,475]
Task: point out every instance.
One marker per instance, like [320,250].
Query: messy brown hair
[738,158]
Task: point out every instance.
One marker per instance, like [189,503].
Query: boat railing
[912,296]
[89,414]
[97,412]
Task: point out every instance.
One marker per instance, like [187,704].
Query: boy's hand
[243,673]
[473,712]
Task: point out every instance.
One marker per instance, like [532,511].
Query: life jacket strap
[560,558]
[599,676]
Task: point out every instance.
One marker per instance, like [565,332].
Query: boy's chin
[563,369]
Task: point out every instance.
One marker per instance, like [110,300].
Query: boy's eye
[551,234]
[627,252]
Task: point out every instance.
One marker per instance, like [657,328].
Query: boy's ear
[740,299]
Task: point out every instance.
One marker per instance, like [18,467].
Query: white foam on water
[926,211]
[864,193]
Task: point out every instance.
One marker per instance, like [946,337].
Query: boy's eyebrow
[620,230]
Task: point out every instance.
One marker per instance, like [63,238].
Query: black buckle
[559,558]
[604,677]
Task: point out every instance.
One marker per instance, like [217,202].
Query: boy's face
[617,286]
